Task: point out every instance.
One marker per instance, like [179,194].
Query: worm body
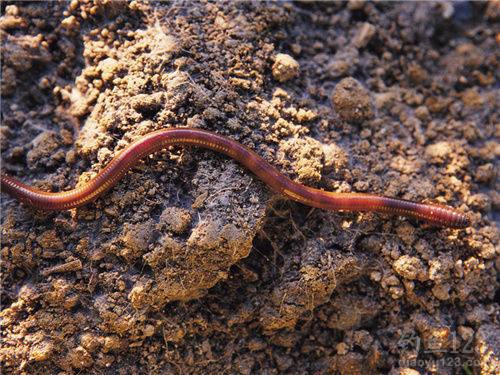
[435,214]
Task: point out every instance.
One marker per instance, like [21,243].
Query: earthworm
[440,215]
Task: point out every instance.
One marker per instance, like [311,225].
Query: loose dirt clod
[352,101]
[285,67]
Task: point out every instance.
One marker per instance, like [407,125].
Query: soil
[190,264]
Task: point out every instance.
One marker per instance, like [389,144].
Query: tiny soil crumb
[190,264]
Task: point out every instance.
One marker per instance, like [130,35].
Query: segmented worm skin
[435,214]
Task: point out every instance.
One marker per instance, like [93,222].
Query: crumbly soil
[190,264]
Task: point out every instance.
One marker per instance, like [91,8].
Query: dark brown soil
[190,265]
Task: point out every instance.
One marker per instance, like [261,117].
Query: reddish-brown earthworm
[435,214]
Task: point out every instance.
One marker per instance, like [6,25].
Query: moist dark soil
[190,264]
